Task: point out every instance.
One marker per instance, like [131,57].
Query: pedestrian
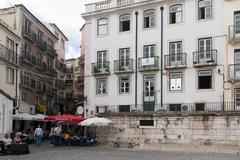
[51,136]
[57,135]
[38,134]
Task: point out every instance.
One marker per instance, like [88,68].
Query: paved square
[45,152]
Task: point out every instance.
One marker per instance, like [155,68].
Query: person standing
[51,136]
[38,134]
[57,135]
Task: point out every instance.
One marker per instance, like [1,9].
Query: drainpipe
[16,85]
[161,8]
[136,60]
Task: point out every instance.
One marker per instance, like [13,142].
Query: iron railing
[123,66]
[150,63]
[42,44]
[51,50]
[101,68]
[205,58]
[28,33]
[234,33]
[175,60]
[9,56]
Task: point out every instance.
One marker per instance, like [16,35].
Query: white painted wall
[189,31]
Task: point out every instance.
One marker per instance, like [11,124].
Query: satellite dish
[80,110]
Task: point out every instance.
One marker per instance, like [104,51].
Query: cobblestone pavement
[93,153]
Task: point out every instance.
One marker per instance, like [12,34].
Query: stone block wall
[194,130]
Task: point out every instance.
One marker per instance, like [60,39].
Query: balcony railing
[100,68]
[28,82]
[234,71]
[103,5]
[28,33]
[234,33]
[148,64]
[39,63]
[51,50]
[69,95]
[123,66]
[8,55]
[68,81]
[205,58]
[51,71]
[42,44]
[175,61]
[124,2]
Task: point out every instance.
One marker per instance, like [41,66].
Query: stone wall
[189,129]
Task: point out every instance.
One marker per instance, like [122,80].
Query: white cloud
[66,14]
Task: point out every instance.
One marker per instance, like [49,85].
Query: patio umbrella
[96,121]
[65,118]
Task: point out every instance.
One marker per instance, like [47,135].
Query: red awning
[65,118]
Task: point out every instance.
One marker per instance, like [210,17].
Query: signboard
[80,110]
[147,61]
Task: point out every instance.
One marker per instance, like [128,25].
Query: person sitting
[17,139]
[7,140]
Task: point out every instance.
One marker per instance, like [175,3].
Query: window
[175,81]
[10,50]
[175,107]
[237,98]
[10,75]
[124,22]
[204,9]
[124,108]
[175,14]
[50,42]
[40,35]
[124,85]
[102,26]
[56,34]
[199,106]
[77,68]
[149,51]
[205,79]
[146,123]
[68,77]
[102,59]
[62,44]
[24,97]
[27,53]
[175,50]
[236,61]
[27,27]
[124,56]
[149,18]
[101,86]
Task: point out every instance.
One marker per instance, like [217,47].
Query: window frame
[121,23]
[176,85]
[170,14]
[149,17]
[149,51]
[199,10]
[124,88]
[10,75]
[105,83]
[100,25]
[211,82]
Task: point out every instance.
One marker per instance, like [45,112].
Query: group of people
[55,135]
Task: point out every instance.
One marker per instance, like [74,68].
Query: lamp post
[3,115]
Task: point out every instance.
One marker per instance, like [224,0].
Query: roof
[53,24]
[6,95]
[21,5]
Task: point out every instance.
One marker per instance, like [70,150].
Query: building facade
[40,66]
[179,50]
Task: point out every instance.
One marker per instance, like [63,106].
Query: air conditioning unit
[184,107]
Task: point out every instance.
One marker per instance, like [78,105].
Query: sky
[66,14]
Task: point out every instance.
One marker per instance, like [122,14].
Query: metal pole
[161,8]
[16,85]
[136,58]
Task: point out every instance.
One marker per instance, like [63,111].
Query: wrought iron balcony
[51,71]
[29,34]
[51,50]
[234,34]
[234,71]
[148,64]
[28,83]
[123,66]
[68,81]
[100,68]
[39,63]
[173,61]
[42,44]
[205,58]
[69,95]
[9,56]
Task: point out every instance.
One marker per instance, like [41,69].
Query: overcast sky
[66,14]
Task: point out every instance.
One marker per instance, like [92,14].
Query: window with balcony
[175,80]
[124,23]
[27,53]
[175,50]
[102,26]
[27,26]
[124,56]
[205,79]
[149,18]
[10,44]
[101,86]
[124,85]
[39,36]
[175,14]
[149,51]
[204,9]
[10,75]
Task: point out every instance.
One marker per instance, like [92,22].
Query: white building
[194,55]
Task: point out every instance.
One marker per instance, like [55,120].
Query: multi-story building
[232,28]
[60,47]
[154,55]
[72,77]
[39,72]
[9,69]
